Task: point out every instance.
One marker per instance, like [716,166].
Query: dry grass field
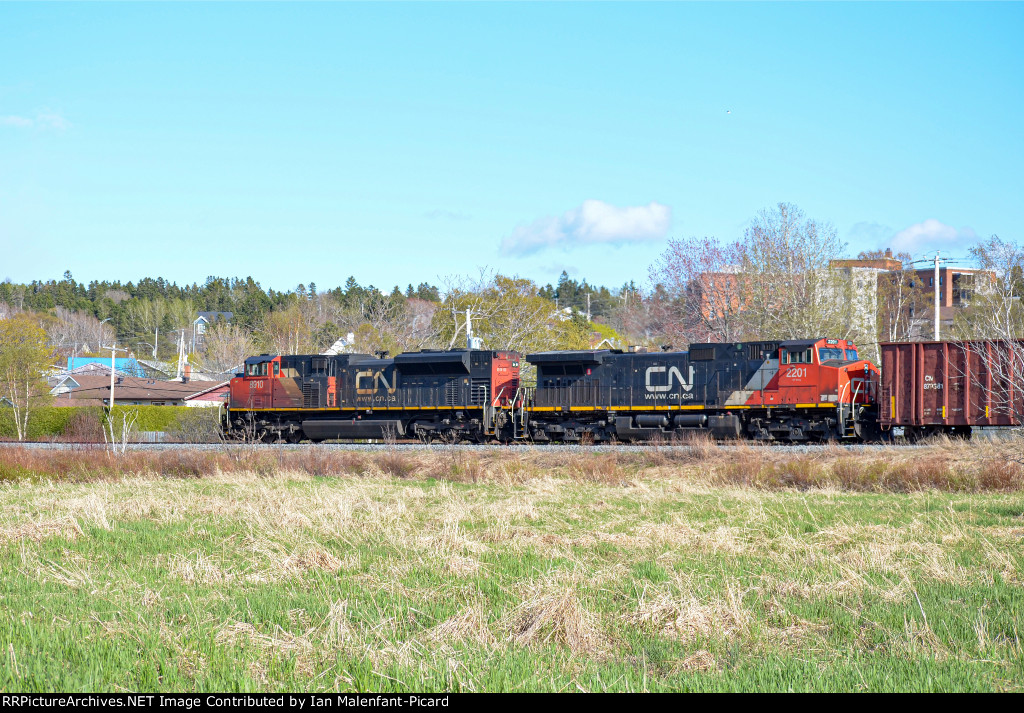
[513,569]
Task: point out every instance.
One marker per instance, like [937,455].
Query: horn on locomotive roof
[471,341]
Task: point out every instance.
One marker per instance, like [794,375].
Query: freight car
[790,391]
[429,394]
[932,388]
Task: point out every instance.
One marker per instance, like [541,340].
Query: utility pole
[588,306]
[937,293]
[181,355]
[113,351]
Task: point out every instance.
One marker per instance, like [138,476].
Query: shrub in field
[597,467]
[84,426]
[397,465]
[196,425]
[998,474]
[963,468]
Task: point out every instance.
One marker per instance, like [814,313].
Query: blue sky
[409,142]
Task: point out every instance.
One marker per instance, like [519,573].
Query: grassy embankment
[513,570]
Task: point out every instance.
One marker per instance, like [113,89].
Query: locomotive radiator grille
[478,392]
[311,395]
[451,392]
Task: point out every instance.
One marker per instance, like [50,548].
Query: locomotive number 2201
[797,372]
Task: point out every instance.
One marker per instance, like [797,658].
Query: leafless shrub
[953,467]
[395,464]
[598,467]
[196,425]
[83,427]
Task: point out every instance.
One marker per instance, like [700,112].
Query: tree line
[155,318]
[778,280]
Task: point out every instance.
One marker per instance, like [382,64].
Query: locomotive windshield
[836,354]
[802,356]
[256,369]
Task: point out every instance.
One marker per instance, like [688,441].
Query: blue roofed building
[126,366]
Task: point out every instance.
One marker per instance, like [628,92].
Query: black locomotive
[453,394]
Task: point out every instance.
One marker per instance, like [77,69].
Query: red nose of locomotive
[254,388]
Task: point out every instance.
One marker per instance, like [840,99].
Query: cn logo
[673,373]
[376,378]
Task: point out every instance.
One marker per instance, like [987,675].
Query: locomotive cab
[820,371]
[253,388]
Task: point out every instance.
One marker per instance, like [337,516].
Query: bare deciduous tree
[119,428]
[703,290]
[775,283]
[995,314]
[903,306]
[72,332]
[507,313]
[225,347]
[788,289]
[995,310]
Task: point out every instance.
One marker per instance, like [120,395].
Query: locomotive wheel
[294,436]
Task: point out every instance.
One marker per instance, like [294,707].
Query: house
[212,396]
[82,389]
[344,345]
[126,366]
[205,320]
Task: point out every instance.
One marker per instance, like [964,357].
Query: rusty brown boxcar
[928,388]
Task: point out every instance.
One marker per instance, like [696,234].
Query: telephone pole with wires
[937,280]
[936,260]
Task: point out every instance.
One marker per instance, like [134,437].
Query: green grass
[243,583]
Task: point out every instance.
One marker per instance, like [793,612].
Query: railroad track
[412,447]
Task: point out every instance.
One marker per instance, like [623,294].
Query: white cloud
[593,222]
[441,214]
[931,234]
[42,120]
[20,122]
[53,121]
[870,232]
